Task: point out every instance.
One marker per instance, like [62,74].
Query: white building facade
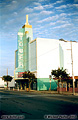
[50,54]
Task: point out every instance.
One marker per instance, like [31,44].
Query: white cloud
[36,3]
[48,6]
[63,14]
[33,14]
[52,23]
[75,5]
[76,13]
[46,19]
[62,26]
[70,32]
[62,21]
[38,8]
[51,5]
[72,5]
[76,20]
[66,6]
[60,1]
[26,9]
[49,19]
[14,2]
[61,7]
[15,13]
[46,12]
[59,22]
[36,30]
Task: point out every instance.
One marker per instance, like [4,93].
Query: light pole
[72,68]
[50,80]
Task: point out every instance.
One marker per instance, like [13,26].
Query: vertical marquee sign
[20,50]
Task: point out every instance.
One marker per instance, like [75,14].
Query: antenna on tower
[27,20]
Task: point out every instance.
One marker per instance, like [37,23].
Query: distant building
[4,84]
[41,55]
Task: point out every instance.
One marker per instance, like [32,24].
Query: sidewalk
[55,92]
[47,92]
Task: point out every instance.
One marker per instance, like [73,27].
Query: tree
[7,78]
[29,77]
[62,39]
[60,74]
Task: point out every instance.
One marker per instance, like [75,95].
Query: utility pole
[7,71]
[72,68]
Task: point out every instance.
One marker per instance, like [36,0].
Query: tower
[25,35]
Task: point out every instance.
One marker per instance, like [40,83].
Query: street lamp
[50,80]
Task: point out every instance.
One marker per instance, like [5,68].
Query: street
[36,105]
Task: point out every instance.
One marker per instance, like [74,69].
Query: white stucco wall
[47,56]
[66,47]
[52,53]
[32,54]
[75,58]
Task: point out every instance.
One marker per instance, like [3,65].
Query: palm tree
[7,78]
[60,74]
[29,78]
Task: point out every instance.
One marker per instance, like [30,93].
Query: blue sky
[53,19]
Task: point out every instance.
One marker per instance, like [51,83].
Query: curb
[46,92]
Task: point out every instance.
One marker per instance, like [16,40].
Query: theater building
[41,55]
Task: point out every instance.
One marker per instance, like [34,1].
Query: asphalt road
[34,105]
